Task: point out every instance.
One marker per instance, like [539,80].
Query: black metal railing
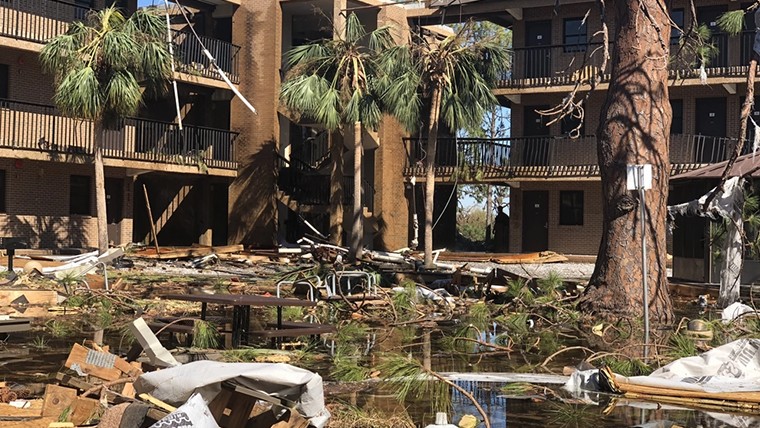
[38,127]
[507,157]
[306,185]
[566,64]
[38,20]
[193,60]
[314,151]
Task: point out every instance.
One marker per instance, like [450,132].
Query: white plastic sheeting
[728,205]
[177,384]
[193,414]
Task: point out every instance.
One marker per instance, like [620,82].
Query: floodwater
[35,357]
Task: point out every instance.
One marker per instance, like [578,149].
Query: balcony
[37,21]
[472,160]
[192,60]
[40,129]
[306,185]
[563,65]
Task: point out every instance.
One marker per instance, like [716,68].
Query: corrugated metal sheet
[746,165]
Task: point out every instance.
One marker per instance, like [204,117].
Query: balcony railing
[193,61]
[474,159]
[308,187]
[40,20]
[40,128]
[566,64]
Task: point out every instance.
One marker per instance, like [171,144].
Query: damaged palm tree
[725,204]
[332,82]
[452,77]
[99,67]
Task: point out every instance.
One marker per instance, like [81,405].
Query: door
[708,16]
[535,234]
[538,40]
[710,141]
[536,133]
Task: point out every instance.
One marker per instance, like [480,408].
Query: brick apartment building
[46,173]
[232,176]
[555,185]
[223,177]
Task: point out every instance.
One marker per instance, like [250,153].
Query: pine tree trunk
[357,231]
[336,189]
[489,214]
[634,129]
[435,107]
[100,187]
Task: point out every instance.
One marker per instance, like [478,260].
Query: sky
[148,2]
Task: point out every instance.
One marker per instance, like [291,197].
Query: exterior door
[535,233]
[710,142]
[536,133]
[538,40]
[708,16]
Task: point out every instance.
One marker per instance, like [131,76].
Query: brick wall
[563,239]
[37,205]
[257,29]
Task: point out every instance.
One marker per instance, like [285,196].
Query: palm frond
[78,94]
[122,94]
[146,23]
[354,29]
[120,50]
[58,56]
[732,22]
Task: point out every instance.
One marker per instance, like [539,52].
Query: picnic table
[241,314]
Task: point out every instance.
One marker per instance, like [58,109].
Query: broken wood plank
[83,409]
[34,410]
[57,400]
[27,297]
[31,423]
[187,252]
[98,364]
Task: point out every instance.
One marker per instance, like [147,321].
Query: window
[675,33]
[575,35]
[676,126]
[3,81]
[2,191]
[79,195]
[571,208]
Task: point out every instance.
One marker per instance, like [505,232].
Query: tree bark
[357,231]
[634,129]
[100,187]
[336,189]
[435,107]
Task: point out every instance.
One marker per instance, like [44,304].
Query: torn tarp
[729,372]
[177,384]
[728,205]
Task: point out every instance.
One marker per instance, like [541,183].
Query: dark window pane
[3,81]
[571,208]
[79,195]
[575,36]
[676,126]
[675,33]
[2,191]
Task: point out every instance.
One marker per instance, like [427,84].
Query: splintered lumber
[31,423]
[33,411]
[26,297]
[744,397]
[57,399]
[504,258]
[167,253]
[98,364]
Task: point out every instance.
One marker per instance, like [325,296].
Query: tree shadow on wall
[252,216]
[47,231]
